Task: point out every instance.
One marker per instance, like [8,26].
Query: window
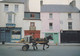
[69,15]
[50,15]
[69,25]
[50,25]
[32,15]
[16,32]
[48,34]
[16,8]
[6,7]
[11,18]
[32,24]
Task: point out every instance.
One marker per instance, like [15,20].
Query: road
[12,50]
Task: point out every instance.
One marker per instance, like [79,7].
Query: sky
[57,1]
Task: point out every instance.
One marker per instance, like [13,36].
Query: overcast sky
[57,1]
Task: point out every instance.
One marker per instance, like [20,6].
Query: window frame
[51,26]
[69,15]
[32,23]
[32,15]
[51,15]
[70,25]
[11,17]
[6,7]
[16,9]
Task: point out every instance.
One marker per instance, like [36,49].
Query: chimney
[41,2]
[26,5]
[73,3]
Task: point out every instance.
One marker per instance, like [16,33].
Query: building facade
[50,24]
[32,24]
[39,19]
[70,29]
[11,16]
[65,21]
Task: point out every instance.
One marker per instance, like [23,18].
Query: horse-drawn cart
[29,39]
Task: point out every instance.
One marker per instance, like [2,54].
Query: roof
[13,1]
[59,8]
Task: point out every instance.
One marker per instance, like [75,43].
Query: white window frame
[70,26]
[16,9]
[51,27]
[6,7]
[50,15]
[12,18]
[69,15]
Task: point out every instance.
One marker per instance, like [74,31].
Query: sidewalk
[21,44]
[70,44]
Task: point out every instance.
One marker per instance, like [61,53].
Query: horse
[44,41]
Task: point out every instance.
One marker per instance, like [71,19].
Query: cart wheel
[25,47]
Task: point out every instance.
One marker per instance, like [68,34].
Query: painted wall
[26,25]
[64,21]
[45,20]
[18,17]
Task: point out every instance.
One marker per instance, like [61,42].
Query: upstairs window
[70,25]
[32,15]
[69,15]
[50,26]
[32,24]
[6,7]
[16,8]
[50,15]
[11,18]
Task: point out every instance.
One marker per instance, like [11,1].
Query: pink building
[50,24]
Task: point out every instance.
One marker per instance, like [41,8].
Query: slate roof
[59,8]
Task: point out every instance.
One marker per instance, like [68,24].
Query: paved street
[13,50]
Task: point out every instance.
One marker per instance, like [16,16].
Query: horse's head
[50,37]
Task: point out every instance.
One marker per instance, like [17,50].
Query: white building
[32,24]
[69,25]
[11,19]
[69,17]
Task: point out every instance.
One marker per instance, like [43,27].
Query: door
[56,38]
[8,36]
[2,35]
[47,34]
[70,37]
